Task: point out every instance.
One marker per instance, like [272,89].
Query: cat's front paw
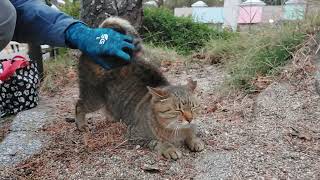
[195,145]
[172,153]
[83,127]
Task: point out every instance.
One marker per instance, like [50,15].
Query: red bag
[9,67]
[19,83]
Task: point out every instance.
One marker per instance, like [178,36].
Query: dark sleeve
[40,24]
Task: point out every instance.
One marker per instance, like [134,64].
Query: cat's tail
[119,24]
[125,27]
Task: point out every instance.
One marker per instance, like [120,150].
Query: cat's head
[175,106]
[125,27]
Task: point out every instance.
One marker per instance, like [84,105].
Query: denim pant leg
[8,18]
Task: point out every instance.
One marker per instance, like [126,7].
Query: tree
[93,12]
[160,2]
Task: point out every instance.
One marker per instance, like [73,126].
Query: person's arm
[40,24]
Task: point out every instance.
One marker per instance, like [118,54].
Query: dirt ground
[272,134]
[4,127]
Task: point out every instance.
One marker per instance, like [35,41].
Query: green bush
[260,52]
[265,52]
[161,27]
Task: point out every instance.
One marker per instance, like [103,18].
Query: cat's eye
[169,114]
[196,108]
[163,100]
[164,111]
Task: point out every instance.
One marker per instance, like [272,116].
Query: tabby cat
[158,115]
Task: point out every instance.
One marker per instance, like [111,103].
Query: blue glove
[100,42]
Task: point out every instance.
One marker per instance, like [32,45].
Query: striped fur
[158,115]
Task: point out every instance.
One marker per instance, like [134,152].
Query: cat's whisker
[172,134]
[170,125]
[176,132]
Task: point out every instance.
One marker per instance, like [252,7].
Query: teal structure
[208,14]
[294,11]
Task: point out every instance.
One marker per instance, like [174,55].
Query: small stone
[151,168]
[98,7]
[138,147]
[163,69]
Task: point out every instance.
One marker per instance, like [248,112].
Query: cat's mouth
[138,54]
[179,124]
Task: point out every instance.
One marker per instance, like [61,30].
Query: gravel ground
[274,134]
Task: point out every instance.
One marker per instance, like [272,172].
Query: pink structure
[250,14]
[250,11]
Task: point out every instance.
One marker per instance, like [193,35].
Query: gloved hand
[99,42]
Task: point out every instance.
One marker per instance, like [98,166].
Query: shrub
[265,52]
[255,53]
[161,27]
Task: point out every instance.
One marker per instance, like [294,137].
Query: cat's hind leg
[81,121]
[107,113]
[84,107]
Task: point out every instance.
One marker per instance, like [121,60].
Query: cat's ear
[191,84]
[157,92]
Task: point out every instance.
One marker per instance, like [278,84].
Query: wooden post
[35,54]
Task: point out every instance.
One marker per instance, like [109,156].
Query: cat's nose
[188,116]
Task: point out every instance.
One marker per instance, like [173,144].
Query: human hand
[99,42]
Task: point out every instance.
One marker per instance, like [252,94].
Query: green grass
[58,72]
[156,55]
[256,53]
